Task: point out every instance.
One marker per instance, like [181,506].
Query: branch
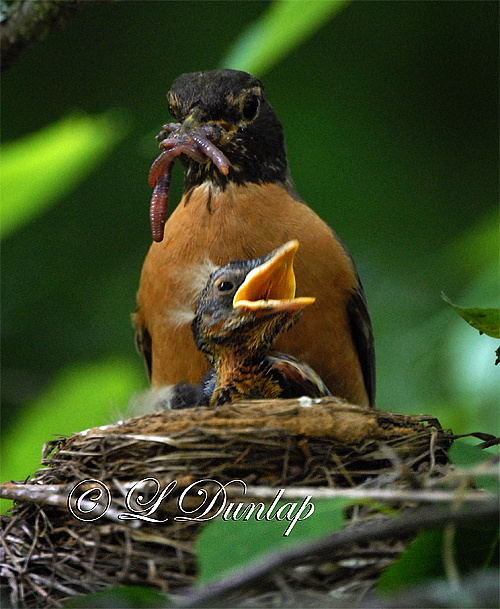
[396,495]
[29,21]
[409,524]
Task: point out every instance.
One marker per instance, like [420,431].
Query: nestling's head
[247,304]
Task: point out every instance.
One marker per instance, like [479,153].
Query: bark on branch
[27,21]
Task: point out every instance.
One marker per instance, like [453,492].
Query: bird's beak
[192,123]
[270,287]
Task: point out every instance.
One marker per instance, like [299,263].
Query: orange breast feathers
[245,222]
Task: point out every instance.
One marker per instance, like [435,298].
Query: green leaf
[42,167]
[484,320]
[122,597]
[226,545]
[83,396]
[464,455]
[284,25]
[475,546]
[422,559]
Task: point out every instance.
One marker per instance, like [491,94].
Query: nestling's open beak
[271,286]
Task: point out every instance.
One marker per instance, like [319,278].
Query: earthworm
[218,158]
[159,202]
[197,147]
[167,130]
[171,149]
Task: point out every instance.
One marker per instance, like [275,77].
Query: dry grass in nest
[50,556]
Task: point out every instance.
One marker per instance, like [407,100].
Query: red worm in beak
[197,147]
[171,149]
[212,152]
[159,203]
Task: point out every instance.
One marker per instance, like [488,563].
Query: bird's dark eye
[251,107]
[225,286]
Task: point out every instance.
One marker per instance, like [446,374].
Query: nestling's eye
[225,286]
[251,106]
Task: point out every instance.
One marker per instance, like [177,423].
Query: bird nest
[65,536]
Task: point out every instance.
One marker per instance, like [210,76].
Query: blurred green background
[390,111]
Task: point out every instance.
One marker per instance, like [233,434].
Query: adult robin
[239,203]
[240,313]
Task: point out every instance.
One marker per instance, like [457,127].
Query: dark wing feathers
[143,346]
[190,396]
[297,378]
[362,336]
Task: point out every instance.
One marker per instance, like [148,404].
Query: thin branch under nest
[50,555]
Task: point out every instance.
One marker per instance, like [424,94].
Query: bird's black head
[246,304]
[230,109]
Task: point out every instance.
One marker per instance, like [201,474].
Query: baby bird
[241,311]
